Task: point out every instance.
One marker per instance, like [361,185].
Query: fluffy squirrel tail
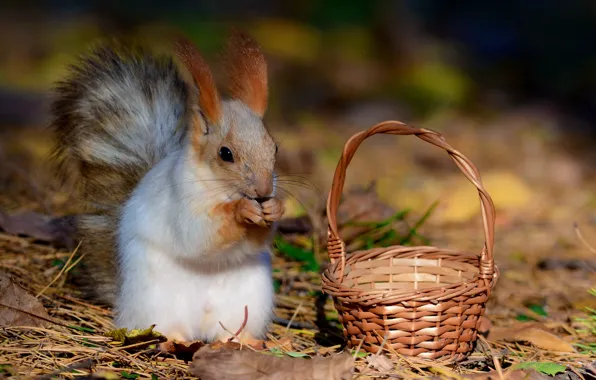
[117,115]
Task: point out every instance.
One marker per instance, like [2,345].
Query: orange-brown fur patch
[195,138]
[231,230]
[246,70]
[198,68]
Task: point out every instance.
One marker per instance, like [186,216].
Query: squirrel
[178,183]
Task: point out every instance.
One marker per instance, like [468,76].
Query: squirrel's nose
[263,186]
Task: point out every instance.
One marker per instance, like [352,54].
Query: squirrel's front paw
[249,211]
[273,210]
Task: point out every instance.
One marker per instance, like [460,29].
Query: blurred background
[512,84]
[415,56]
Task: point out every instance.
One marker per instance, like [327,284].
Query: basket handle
[336,247]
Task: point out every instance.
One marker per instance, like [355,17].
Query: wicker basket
[423,302]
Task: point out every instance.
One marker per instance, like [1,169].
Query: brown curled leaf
[59,231]
[210,364]
[533,333]
[20,307]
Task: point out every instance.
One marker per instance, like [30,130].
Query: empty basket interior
[396,273]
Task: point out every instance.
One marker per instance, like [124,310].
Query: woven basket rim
[352,258]
[448,251]
[330,278]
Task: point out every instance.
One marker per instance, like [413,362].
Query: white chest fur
[164,237]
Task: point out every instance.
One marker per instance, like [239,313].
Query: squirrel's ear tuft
[190,56]
[246,70]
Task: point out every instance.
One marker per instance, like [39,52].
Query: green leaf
[538,310]
[414,230]
[298,254]
[276,351]
[400,215]
[276,286]
[58,263]
[587,348]
[154,377]
[296,354]
[546,368]
[127,375]
[87,343]
[84,329]
[361,354]
[126,337]
[6,368]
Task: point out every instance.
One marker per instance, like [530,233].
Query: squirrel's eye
[226,154]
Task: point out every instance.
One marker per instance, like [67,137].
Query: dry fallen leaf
[509,375]
[59,231]
[210,364]
[22,306]
[533,333]
[282,343]
[181,348]
[380,362]
[186,349]
[126,337]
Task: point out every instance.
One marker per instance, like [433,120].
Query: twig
[294,316]
[577,373]
[75,263]
[65,268]
[369,364]
[358,348]
[86,364]
[87,305]
[581,238]
[39,317]
[34,315]
[234,336]
[410,362]
[495,360]
[145,343]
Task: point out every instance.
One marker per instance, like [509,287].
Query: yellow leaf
[293,208]
[105,375]
[507,190]
[126,337]
[534,334]
[461,204]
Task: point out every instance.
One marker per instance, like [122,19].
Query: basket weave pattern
[424,302]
